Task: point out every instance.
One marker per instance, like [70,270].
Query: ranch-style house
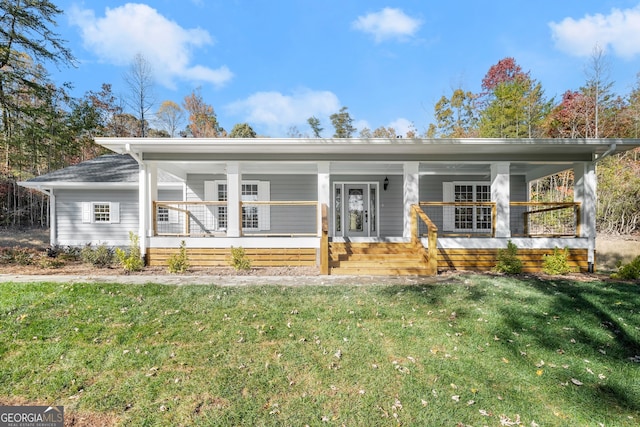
[347,206]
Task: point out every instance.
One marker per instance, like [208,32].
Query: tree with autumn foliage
[456,117]
[203,122]
[170,117]
[514,105]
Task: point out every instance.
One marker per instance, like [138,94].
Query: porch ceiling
[531,170]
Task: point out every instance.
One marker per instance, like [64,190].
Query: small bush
[131,259]
[508,261]
[65,253]
[179,263]
[51,263]
[20,256]
[557,263]
[630,271]
[239,259]
[101,256]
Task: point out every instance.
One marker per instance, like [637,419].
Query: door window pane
[356,210]
[338,209]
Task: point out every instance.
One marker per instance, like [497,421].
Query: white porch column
[53,224]
[143,207]
[234,196]
[411,193]
[501,196]
[152,177]
[324,190]
[585,192]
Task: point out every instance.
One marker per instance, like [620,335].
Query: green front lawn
[477,350]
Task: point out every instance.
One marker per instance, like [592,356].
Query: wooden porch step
[378,259]
[384,271]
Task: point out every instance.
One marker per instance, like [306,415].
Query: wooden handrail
[432,236]
[457,203]
[171,205]
[556,207]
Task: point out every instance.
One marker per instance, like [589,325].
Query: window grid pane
[101,212]
[163,214]
[473,217]
[222,210]
[250,213]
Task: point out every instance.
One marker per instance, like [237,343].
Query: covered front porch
[366,206]
[416,218]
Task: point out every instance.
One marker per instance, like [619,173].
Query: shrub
[239,259]
[101,256]
[20,256]
[179,263]
[508,261]
[131,259]
[630,271]
[557,263]
[65,253]
[51,263]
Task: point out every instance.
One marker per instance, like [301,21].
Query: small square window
[101,212]
[163,214]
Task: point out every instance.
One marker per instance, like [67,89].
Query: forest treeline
[44,127]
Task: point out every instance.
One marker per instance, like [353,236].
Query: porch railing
[419,221]
[527,219]
[257,218]
[464,219]
[548,219]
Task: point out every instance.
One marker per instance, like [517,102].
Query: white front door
[356,209]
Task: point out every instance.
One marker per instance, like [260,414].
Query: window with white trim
[100,212]
[162,215]
[253,217]
[467,218]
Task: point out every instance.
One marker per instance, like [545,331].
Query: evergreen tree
[242,130]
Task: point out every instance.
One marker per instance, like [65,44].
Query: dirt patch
[33,238]
[613,250]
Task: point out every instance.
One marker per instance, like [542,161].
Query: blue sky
[274,64]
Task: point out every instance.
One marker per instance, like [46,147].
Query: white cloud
[389,23]
[277,112]
[618,31]
[134,28]
[401,126]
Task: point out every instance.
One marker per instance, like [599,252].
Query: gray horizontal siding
[283,219]
[72,231]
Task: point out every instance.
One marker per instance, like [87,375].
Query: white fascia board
[92,185]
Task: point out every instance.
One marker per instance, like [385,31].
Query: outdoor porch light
[386,183]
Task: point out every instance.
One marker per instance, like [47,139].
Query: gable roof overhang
[319,149]
[534,158]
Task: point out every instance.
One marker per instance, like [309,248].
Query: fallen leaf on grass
[506,421]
